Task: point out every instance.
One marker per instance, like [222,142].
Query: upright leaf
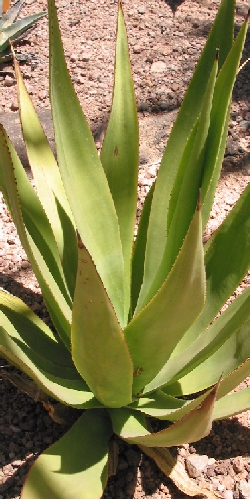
[84,179]
[48,181]
[99,349]
[227,260]
[36,236]
[209,341]
[221,36]
[220,114]
[154,332]
[120,150]
[139,250]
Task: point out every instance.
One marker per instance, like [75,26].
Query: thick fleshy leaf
[36,236]
[32,330]
[192,427]
[188,180]
[212,165]
[232,404]
[161,405]
[154,332]
[186,189]
[164,407]
[220,114]
[83,176]
[227,260]
[48,182]
[234,378]
[99,349]
[60,382]
[221,36]
[120,150]
[11,15]
[76,466]
[139,250]
[16,29]
[226,359]
[225,326]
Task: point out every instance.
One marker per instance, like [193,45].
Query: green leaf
[16,29]
[120,150]
[225,360]
[225,326]
[188,180]
[227,260]
[10,16]
[165,407]
[32,330]
[220,114]
[99,349]
[60,382]
[139,250]
[186,187]
[154,332]
[84,179]
[221,36]
[48,181]
[36,236]
[232,404]
[128,423]
[76,466]
[192,427]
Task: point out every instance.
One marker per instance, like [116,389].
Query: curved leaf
[232,404]
[99,349]
[161,405]
[48,183]
[221,36]
[16,29]
[224,327]
[154,332]
[36,236]
[120,150]
[227,260]
[220,115]
[139,250]
[76,466]
[192,427]
[225,360]
[84,179]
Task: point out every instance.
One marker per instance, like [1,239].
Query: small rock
[142,9]
[137,49]
[9,81]
[244,488]
[14,106]
[245,125]
[25,264]
[85,56]
[158,67]
[238,464]
[227,494]
[231,148]
[196,464]
[175,87]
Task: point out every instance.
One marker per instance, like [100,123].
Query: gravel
[164,51]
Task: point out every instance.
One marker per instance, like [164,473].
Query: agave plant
[12,30]
[135,331]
